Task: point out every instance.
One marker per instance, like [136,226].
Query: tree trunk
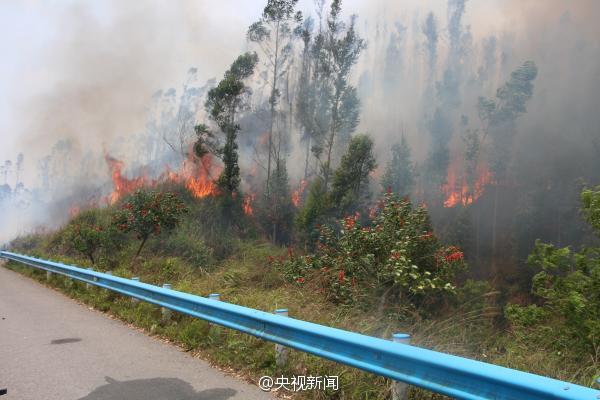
[272,101]
[307,158]
[139,250]
[494,235]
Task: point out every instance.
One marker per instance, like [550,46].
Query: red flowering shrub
[90,235]
[147,213]
[397,254]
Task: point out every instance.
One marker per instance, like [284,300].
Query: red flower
[300,280]
[341,275]
[454,257]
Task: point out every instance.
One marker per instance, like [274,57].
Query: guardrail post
[107,273]
[133,299]
[166,313]
[399,388]
[213,296]
[281,352]
[88,285]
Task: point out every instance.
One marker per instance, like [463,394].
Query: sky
[88,69]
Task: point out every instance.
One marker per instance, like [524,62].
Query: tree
[19,168]
[273,32]
[279,209]
[88,235]
[590,199]
[438,159]
[314,212]
[351,180]
[342,52]
[223,103]
[499,117]
[6,170]
[175,124]
[149,213]
[306,100]
[399,175]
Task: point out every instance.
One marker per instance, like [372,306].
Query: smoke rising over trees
[481,120]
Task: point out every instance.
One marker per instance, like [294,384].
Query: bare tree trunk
[307,158]
[494,233]
[139,250]
[272,102]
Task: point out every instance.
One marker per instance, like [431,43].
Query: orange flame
[74,211]
[297,194]
[122,185]
[247,203]
[197,178]
[457,189]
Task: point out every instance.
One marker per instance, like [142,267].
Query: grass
[245,278]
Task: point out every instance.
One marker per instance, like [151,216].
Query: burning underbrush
[198,176]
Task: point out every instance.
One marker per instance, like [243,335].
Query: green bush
[187,244]
[90,234]
[148,213]
[567,290]
[397,255]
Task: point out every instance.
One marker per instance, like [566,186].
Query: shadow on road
[66,340]
[155,389]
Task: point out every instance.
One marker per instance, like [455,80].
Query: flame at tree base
[297,194]
[458,191]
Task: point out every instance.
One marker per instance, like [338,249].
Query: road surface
[52,348]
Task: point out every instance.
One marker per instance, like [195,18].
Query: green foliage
[339,53]
[500,114]
[568,288]
[277,212]
[184,242]
[438,159]
[274,33]
[397,255]
[313,214]
[223,103]
[88,234]
[147,212]
[351,180]
[590,199]
[399,175]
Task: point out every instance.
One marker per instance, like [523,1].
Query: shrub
[397,255]
[186,244]
[89,234]
[567,289]
[149,213]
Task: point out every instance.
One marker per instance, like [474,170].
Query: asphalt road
[52,348]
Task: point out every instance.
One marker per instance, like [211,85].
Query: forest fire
[196,176]
[74,211]
[458,191]
[122,185]
[247,203]
[297,194]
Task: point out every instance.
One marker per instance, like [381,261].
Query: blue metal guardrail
[450,375]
